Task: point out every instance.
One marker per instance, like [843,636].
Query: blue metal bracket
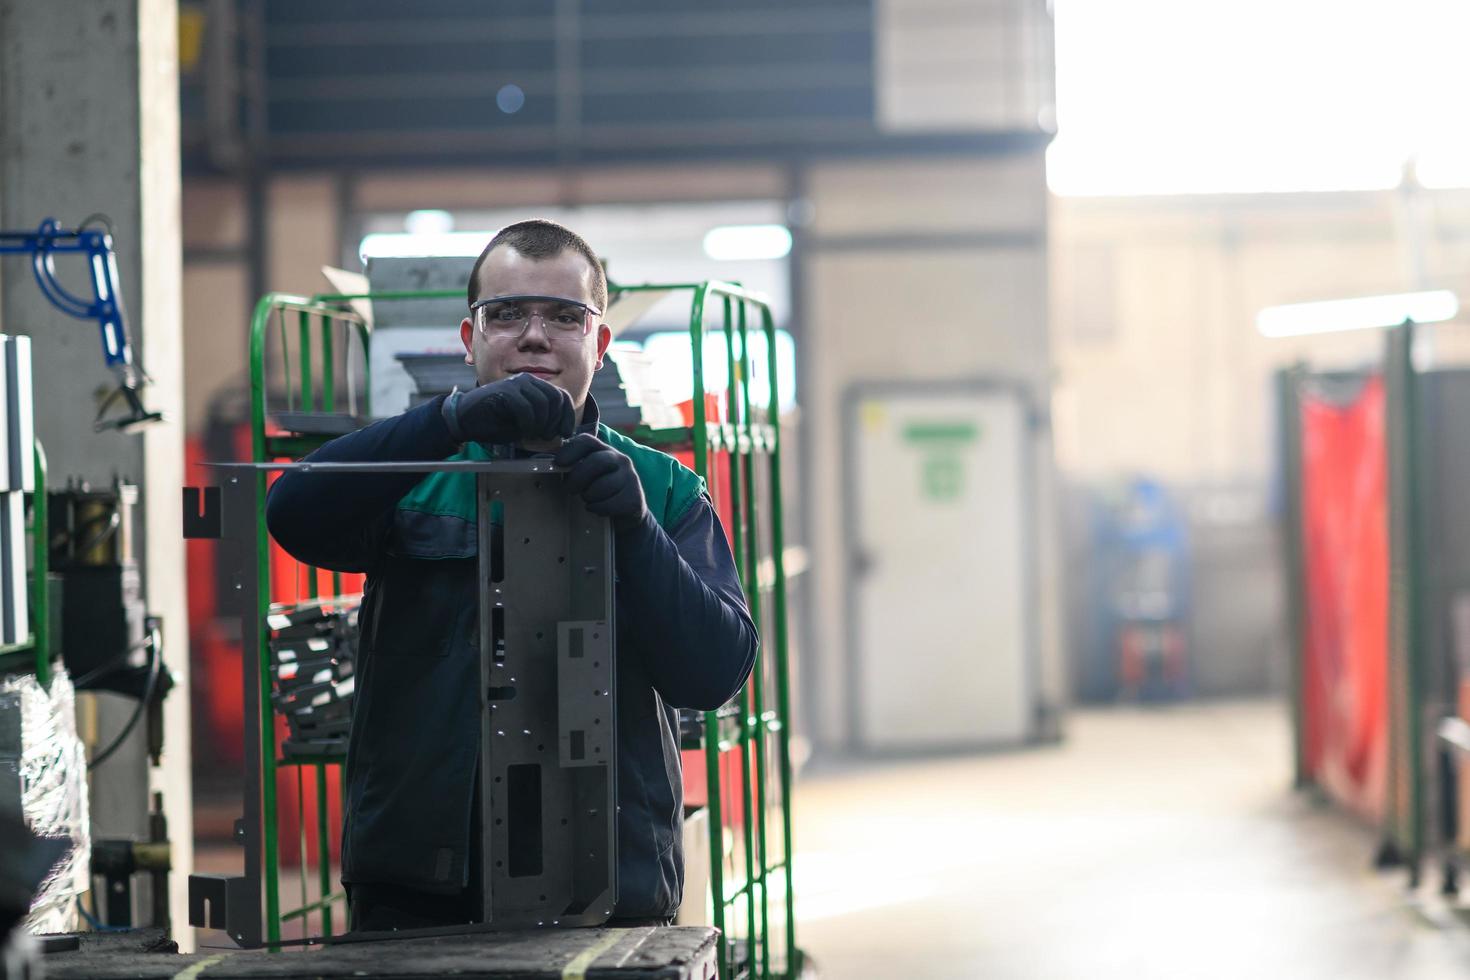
[105,306]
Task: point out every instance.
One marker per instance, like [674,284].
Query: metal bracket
[225,902]
[202,521]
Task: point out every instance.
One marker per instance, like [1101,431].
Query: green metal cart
[313,369]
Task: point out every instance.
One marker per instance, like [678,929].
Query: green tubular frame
[1408,731]
[326,313]
[1289,435]
[34,654]
[746,440]
[753,726]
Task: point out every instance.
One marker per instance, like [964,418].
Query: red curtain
[1345,553]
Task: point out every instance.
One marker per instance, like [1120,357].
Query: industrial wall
[1160,370]
[1159,365]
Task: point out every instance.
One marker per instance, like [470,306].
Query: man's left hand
[604,478]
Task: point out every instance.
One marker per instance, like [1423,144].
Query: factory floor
[1150,843]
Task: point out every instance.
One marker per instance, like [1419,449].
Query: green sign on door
[942,466]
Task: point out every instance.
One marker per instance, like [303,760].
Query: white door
[939,569]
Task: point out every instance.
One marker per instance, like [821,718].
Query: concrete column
[89,122]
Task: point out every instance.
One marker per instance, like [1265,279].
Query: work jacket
[684,640]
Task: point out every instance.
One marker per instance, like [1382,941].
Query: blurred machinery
[105,306]
[1149,594]
[108,640]
[85,600]
[1131,575]
[109,643]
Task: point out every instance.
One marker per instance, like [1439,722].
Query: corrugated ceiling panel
[378,80]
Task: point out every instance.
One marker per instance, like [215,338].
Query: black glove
[605,479]
[517,409]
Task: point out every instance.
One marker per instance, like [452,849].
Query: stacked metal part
[43,778]
[416,351]
[313,647]
[612,396]
[17,477]
[43,766]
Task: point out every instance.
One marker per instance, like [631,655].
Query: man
[685,639]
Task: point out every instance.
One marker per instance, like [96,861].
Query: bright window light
[674,368]
[1216,96]
[1364,313]
[744,243]
[428,222]
[418,244]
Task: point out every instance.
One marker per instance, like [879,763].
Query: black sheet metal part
[548,752]
[554,580]
[232,902]
[201,512]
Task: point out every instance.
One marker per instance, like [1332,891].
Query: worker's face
[566,359]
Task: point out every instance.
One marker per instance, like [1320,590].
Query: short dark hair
[541,239]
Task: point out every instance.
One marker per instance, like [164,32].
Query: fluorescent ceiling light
[1363,313]
[736,243]
[416,245]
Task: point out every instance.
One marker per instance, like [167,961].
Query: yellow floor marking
[192,971]
[577,968]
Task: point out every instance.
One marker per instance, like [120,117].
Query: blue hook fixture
[106,306]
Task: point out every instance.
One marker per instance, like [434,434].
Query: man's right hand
[521,408]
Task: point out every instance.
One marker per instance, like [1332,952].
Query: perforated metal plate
[548,750]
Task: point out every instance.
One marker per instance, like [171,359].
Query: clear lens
[514,316]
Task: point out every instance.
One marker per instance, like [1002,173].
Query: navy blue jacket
[684,640]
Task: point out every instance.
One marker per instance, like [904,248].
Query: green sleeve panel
[447,494]
[669,487]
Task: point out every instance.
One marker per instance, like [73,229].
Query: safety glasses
[511,316]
